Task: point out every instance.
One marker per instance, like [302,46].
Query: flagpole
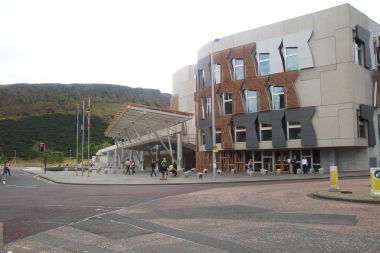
[77,134]
[82,131]
[88,130]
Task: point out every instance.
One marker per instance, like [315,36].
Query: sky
[138,43]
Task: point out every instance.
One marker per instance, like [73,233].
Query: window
[294,130]
[217,74]
[291,58]
[237,69]
[250,97]
[361,126]
[264,66]
[206,108]
[201,78]
[226,103]
[218,136]
[265,132]
[357,52]
[239,134]
[316,160]
[278,97]
[203,137]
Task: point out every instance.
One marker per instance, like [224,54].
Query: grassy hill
[34,113]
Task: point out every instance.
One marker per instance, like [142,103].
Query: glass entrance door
[282,161]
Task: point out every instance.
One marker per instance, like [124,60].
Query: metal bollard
[375,182]
[334,179]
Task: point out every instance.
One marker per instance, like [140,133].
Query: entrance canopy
[135,121]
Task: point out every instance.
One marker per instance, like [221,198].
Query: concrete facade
[329,79]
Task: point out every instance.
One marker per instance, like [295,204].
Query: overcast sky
[138,43]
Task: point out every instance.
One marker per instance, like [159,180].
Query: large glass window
[226,103]
[294,130]
[357,52]
[218,136]
[291,58]
[237,69]
[201,78]
[361,126]
[278,97]
[250,97]
[206,108]
[264,64]
[203,137]
[240,134]
[217,74]
[265,132]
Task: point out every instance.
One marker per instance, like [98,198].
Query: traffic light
[42,147]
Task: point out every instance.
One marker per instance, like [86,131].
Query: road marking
[22,186]
[54,205]
[54,222]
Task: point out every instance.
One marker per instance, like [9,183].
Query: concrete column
[332,157]
[115,158]
[108,158]
[157,156]
[179,150]
[122,156]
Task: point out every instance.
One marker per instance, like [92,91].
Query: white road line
[22,186]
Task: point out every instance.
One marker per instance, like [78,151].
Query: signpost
[375,182]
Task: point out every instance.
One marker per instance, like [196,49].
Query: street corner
[359,195]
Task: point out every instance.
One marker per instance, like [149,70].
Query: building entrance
[282,161]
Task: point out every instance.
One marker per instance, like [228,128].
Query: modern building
[305,87]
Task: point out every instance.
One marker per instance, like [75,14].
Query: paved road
[29,205]
[255,217]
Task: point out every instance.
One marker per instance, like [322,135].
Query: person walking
[304,165]
[164,169]
[250,165]
[153,167]
[133,166]
[128,166]
[6,170]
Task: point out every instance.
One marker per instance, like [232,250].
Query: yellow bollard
[334,179]
[375,182]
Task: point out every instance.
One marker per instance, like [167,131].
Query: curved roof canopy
[134,121]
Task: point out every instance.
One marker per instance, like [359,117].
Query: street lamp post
[213,130]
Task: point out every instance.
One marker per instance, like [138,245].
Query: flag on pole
[76,121]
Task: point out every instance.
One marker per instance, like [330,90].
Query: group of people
[293,162]
[164,169]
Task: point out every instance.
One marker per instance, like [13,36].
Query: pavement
[361,194]
[239,218]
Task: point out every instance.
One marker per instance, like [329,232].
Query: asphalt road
[250,217]
[29,205]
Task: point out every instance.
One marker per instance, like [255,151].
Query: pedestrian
[133,166]
[6,169]
[294,164]
[164,169]
[174,169]
[128,166]
[304,165]
[250,165]
[153,167]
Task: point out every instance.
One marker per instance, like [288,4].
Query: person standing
[294,164]
[304,165]
[164,168]
[153,167]
[133,166]
[250,165]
